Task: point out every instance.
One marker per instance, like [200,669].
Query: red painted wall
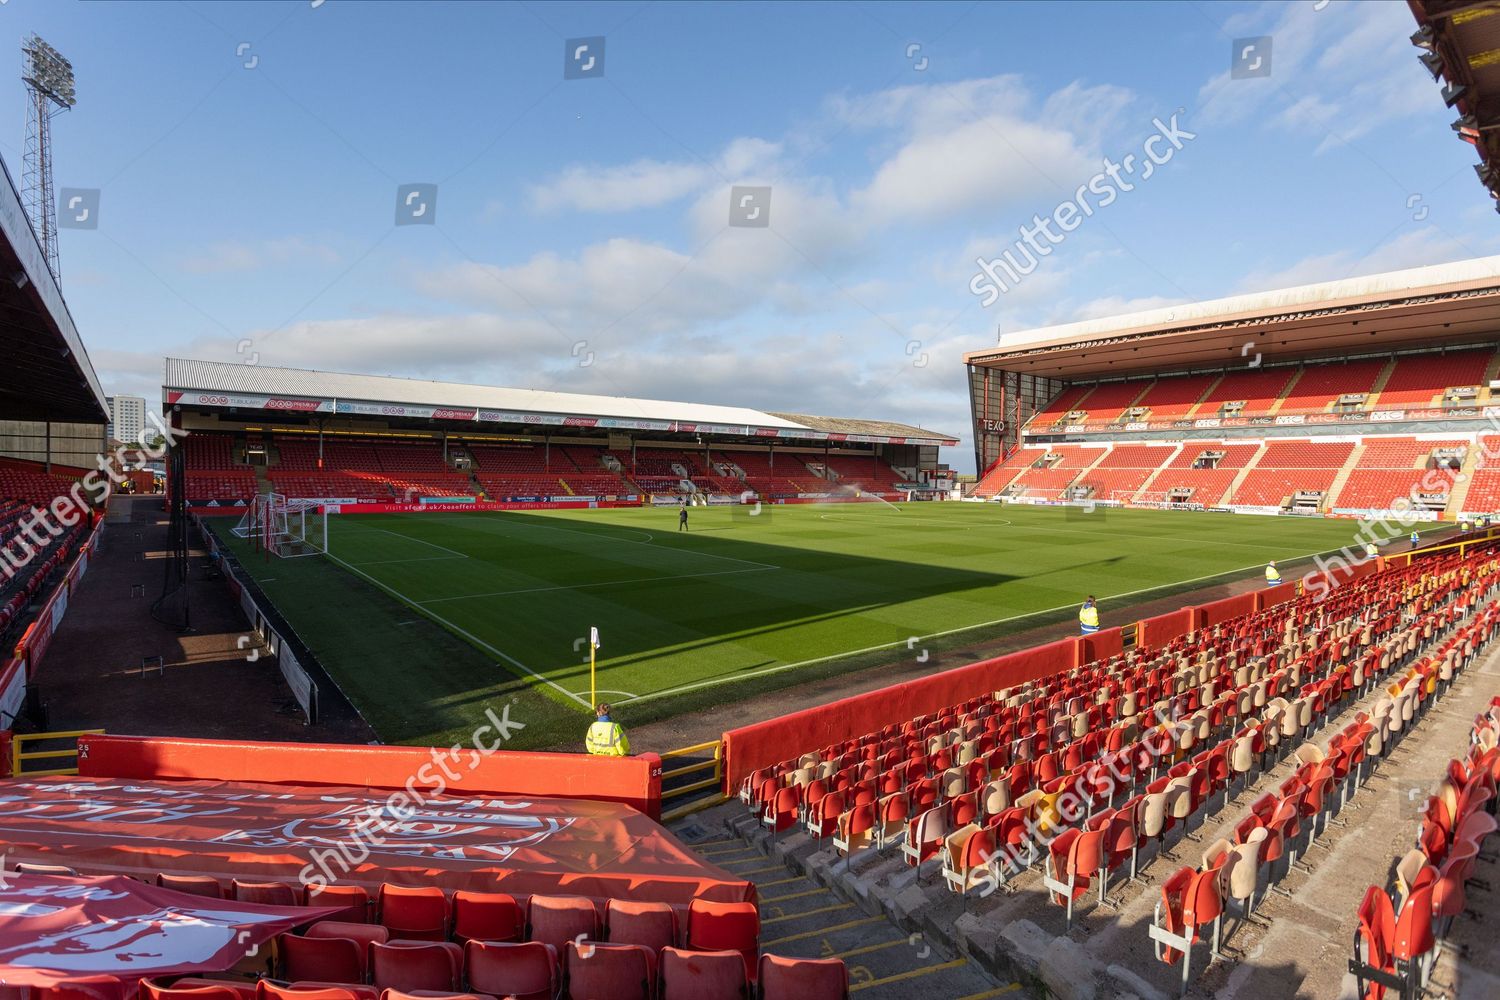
[1153,633]
[764,743]
[635,781]
[1215,612]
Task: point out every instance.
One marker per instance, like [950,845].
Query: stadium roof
[1427,307]
[49,373]
[1459,41]
[216,384]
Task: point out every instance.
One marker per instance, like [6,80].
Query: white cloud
[1337,73]
[650,183]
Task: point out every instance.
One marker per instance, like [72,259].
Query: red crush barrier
[1153,633]
[635,781]
[1215,612]
[1272,596]
[755,746]
[1100,646]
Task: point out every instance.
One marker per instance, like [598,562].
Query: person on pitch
[1273,575]
[606,737]
[1088,617]
[682,517]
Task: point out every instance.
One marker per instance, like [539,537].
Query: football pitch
[738,604]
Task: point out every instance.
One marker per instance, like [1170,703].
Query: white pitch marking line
[413,538]
[934,635]
[466,634]
[627,694]
[387,562]
[608,583]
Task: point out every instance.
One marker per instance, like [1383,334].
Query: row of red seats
[421,938]
[1402,924]
[1283,826]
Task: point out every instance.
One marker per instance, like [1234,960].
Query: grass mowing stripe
[685,688]
[467,635]
[853,587]
[588,586]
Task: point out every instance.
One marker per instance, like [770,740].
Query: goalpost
[285,527]
[1149,498]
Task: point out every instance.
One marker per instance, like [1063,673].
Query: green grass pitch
[424,619]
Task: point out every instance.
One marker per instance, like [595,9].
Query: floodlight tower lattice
[49,82]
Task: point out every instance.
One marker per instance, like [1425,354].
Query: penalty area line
[463,632]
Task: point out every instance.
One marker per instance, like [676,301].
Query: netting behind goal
[285,527]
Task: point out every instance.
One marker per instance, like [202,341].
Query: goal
[285,527]
[1159,499]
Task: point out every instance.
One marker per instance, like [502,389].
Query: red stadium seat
[416,965]
[265,989]
[608,972]
[266,893]
[151,991]
[327,960]
[556,920]
[702,975]
[415,914]
[363,934]
[802,978]
[725,927]
[526,970]
[354,898]
[196,885]
[487,916]
[653,925]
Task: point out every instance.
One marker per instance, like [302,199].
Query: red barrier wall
[751,747]
[1215,612]
[1272,596]
[635,781]
[1100,646]
[1152,633]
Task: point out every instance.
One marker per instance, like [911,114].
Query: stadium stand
[1287,468]
[1423,379]
[1003,472]
[1260,390]
[1125,470]
[1403,924]
[1389,470]
[1203,472]
[1321,385]
[1110,400]
[1049,476]
[1064,403]
[1091,773]
[1176,397]
[867,473]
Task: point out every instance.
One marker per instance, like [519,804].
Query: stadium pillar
[47,449]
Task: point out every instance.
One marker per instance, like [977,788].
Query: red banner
[301,835]
[105,934]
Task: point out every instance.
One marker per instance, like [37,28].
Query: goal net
[285,527]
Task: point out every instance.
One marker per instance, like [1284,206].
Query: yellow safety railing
[19,756]
[714,766]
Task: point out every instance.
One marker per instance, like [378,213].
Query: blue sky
[248,156]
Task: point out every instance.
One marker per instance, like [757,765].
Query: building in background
[127,418]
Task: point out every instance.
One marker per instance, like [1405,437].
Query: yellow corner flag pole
[593,645]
